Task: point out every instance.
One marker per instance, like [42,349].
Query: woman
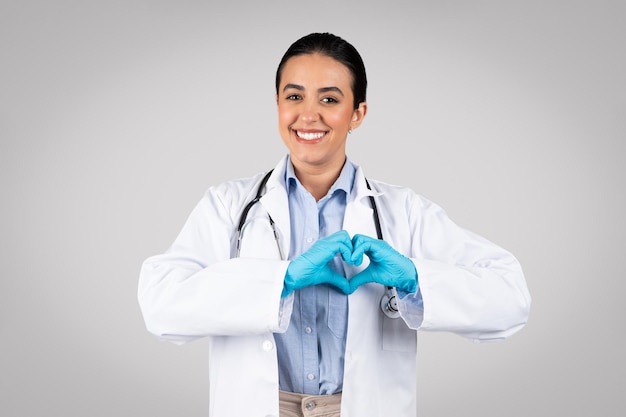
[303,310]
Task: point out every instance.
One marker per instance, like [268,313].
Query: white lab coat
[469,286]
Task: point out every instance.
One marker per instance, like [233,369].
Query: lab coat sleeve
[195,289]
[467,285]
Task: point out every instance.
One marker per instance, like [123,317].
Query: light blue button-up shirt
[311,351]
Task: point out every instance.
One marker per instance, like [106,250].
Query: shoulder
[234,192]
[237,185]
[385,191]
[399,201]
[397,193]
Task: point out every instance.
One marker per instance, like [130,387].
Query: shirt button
[311,377]
[267,345]
[308,330]
[309,239]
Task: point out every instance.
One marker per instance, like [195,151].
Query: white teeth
[310,136]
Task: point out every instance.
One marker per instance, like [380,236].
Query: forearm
[180,300]
[478,303]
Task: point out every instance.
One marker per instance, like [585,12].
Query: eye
[293,97]
[329,100]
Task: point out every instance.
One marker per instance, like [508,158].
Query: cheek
[285,117]
[341,119]
[285,120]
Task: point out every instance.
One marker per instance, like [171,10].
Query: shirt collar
[344,182]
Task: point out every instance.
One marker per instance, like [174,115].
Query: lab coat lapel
[359,216]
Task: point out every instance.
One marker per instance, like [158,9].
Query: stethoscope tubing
[388,302]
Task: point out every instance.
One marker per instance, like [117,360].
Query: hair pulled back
[334,47]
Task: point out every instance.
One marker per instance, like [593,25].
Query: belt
[303,405]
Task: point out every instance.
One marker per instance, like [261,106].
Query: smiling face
[316,112]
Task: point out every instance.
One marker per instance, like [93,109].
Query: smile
[310,135]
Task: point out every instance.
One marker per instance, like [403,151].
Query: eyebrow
[319,90]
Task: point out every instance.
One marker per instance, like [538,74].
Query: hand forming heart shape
[387,266]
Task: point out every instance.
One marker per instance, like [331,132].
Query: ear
[358,115]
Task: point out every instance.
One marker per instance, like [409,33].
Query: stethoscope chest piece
[389,304]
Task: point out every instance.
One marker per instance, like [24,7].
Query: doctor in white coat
[241,295]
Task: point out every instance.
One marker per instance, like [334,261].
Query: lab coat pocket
[337,309]
[397,336]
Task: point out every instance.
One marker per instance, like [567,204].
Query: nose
[309,111]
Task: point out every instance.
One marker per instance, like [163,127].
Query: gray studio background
[115,116]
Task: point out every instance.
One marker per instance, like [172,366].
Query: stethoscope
[388,302]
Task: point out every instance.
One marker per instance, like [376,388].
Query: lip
[309,135]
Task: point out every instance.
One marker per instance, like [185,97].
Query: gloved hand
[313,267]
[387,266]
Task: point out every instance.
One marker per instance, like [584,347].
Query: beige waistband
[302,405]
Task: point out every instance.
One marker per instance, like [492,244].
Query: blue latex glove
[387,266]
[313,267]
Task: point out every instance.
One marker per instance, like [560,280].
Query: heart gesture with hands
[387,266]
[313,266]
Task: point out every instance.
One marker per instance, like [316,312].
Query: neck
[318,180]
